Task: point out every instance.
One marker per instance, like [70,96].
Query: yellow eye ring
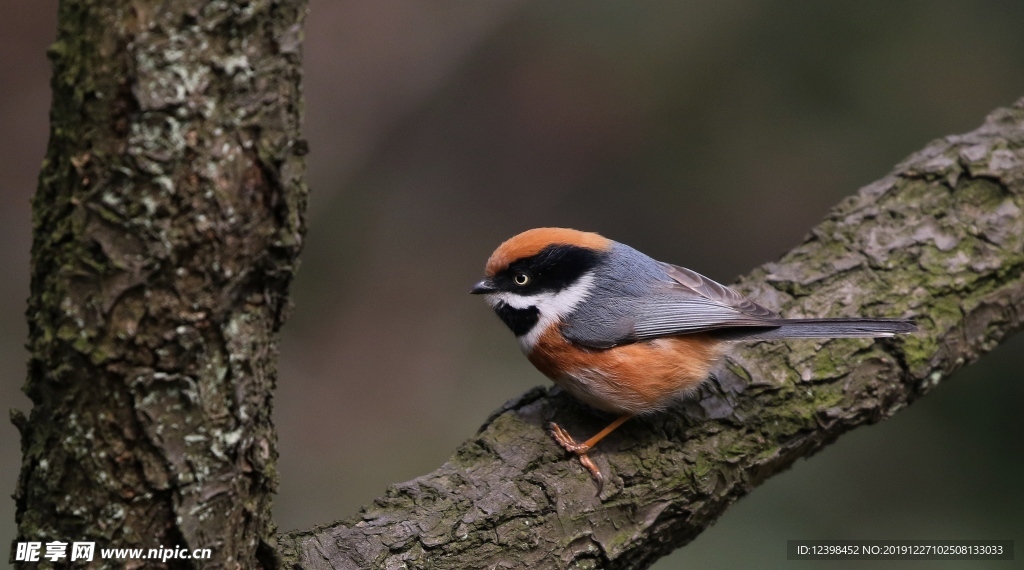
[521,279]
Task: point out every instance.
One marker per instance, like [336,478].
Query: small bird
[625,333]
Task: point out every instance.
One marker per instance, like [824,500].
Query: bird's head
[538,277]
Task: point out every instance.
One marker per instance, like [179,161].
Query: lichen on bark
[940,240]
[167,226]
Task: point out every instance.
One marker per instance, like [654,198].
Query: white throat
[552,306]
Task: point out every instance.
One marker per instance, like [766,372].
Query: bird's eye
[521,278]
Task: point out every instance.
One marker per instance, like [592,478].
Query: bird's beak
[483,287]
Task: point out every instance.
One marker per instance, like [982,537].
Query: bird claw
[566,441]
[587,462]
[580,449]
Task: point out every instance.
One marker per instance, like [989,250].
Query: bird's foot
[565,440]
[580,449]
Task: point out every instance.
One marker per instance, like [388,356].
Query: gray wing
[680,301]
[693,303]
[716,292]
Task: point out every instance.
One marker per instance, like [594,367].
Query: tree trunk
[941,240]
[167,226]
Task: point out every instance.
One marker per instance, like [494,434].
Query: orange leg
[580,449]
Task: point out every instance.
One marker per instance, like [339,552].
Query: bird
[627,334]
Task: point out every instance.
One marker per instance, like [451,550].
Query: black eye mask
[553,269]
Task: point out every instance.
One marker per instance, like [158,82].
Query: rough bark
[167,225]
[940,239]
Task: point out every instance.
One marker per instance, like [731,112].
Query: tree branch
[940,239]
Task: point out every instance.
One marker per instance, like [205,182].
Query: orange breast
[632,378]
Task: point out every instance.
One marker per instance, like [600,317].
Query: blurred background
[711,134]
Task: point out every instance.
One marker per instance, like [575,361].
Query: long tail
[821,328]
